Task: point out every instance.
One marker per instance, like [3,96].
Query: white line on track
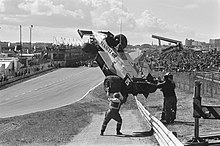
[47,74]
[89,91]
[49,84]
[33,79]
[6,100]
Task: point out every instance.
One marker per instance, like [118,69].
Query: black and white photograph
[109,72]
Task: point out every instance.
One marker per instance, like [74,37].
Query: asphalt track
[55,89]
[61,87]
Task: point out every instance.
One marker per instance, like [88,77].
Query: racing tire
[123,38]
[111,41]
[114,83]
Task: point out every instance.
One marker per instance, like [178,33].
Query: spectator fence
[210,82]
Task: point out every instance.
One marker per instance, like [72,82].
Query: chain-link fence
[210,82]
[186,81]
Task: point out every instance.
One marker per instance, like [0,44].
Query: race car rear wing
[84,32]
[106,33]
[89,32]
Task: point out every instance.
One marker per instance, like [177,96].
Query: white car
[122,73]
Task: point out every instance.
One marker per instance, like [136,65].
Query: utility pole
[20,40]
[30,37]
[0,45]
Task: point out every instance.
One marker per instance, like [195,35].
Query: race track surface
[61,87]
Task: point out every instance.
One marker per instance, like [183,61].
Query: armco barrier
[162,134]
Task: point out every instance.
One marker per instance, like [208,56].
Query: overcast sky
[177,19]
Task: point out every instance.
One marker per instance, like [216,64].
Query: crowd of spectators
[186,60]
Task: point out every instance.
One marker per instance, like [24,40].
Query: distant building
[215,43]
[4,44]
[196,43]
[8,65]
[188,43]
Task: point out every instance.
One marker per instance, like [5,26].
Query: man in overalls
[113,113]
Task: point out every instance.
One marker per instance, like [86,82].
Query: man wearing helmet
[113,112]
[170,100]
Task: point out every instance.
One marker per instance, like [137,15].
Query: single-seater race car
[122,73]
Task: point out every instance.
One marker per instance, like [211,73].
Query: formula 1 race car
[122,73]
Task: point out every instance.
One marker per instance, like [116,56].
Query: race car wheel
[89,48]
[114,83]
[123,41]
[111,41]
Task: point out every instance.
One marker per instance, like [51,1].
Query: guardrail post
[197,104]
[212,85]
[196,140]
[203,85]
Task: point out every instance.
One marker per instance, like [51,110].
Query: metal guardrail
[208,79]
[162,134]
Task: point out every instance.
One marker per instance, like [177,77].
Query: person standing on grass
[113,112]
[170,100]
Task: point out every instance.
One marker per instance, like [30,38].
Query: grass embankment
[56,126]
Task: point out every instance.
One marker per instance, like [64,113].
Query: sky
[54,20]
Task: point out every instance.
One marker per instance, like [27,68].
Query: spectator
[187,60]
[170,100]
